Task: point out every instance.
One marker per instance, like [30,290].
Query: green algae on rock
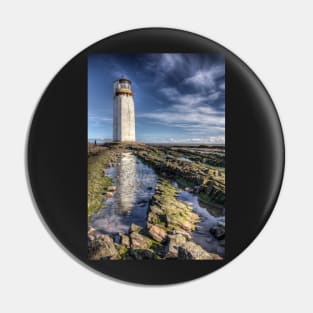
[167,234]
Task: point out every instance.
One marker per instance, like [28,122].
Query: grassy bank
[98,182]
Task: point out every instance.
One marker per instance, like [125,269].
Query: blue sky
[179,98]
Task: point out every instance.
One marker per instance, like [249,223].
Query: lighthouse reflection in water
[135,184]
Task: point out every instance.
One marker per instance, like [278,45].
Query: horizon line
[160,142]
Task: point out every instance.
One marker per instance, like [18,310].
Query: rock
[122,250]
[149,188]
[109,194]
[93,233]
[102,247]
[91,237]
[152,218]
[194,217]
[111,188]
[179,222]
[209,188]
[91,230]
[174,243]
[155,218]
[182,232]
[202,188]
[218,231]
[97,234]
[157,233]
[196,189]
[192,251]
[167,210]
[135,228]
[125,241]
[142,254]
[116,257]
[156,209]
[139,241]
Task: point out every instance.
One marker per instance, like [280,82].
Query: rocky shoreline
[167,234]
[207,182]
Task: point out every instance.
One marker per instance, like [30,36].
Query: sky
[179,98]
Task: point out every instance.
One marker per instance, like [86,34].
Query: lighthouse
[123,111]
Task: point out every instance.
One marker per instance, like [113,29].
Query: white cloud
[206,78]
[170,92]
[209,140]
[196,98]
[193,106]
[191,118]
[169,61]
[193,113]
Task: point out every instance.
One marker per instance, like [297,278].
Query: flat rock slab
[192,251]
[102,247]
[135,228]
[157,233]
[139,241]
[175,242]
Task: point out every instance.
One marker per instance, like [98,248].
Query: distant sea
[102,141]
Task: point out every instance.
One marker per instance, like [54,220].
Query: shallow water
[135,184]
[202,235]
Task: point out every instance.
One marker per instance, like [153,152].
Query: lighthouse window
[125,85]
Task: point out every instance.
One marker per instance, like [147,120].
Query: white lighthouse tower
[123,111]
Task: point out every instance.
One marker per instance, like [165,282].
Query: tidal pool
[202,235]
[135,185]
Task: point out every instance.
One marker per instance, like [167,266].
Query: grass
[183,182]
[98,182]
[204,197]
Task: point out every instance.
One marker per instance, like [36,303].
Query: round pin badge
[155,156]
